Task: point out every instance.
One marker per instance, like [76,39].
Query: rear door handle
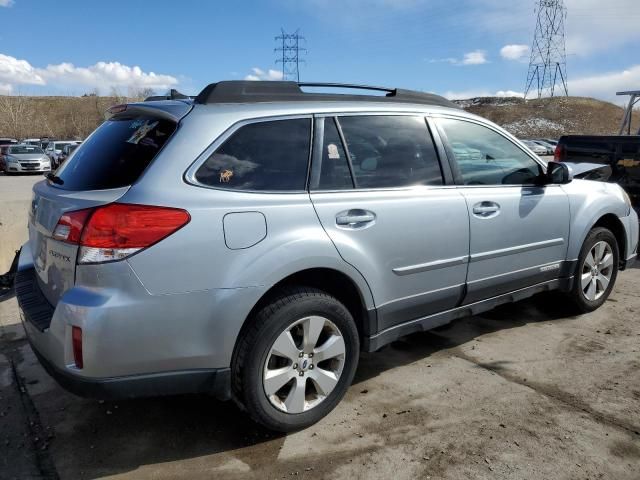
[486,209]
[355,218]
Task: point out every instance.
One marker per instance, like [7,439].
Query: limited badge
[332,151]
[225,176]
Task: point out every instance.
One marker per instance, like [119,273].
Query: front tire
[296,359]
[596,271]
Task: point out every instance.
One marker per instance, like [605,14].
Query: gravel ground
[15,199]
[525,391]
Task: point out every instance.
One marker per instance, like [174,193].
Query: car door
[519,228]
[377,187]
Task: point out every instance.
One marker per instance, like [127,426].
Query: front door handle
[486,209]
[355,218]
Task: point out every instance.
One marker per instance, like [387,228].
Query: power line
[289,54]
[548,62]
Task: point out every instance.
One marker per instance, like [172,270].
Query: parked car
[25,159]
[535,147]
[3,152]
[8,141]
[620,152]
[550,149]
[550,141]
[31,141]
[67,150]
[251,242]
[54,149]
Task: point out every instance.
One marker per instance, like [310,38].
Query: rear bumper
[36,316]
[134,344]
[212,381]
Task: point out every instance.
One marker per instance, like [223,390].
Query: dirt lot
[525,391]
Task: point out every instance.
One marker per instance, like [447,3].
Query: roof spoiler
[247,91]
[173,111]
[173,95]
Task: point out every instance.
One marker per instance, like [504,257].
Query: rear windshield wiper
[54,178]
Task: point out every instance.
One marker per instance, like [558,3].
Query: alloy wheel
[596,271]
[304,364]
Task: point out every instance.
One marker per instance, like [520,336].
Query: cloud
[466,94]
[259,74]
[5,88]
[14,71]
[591,26]
[100,75]
[603,86]
[6,3]
[110,74]
[514,52]
[606,85]
[477,57]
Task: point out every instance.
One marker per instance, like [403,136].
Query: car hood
[590,171]
[28,156]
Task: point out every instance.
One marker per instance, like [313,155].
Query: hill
[549,117]
[76,117]
[54,117]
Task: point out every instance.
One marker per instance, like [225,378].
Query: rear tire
[596,271]
[295,359]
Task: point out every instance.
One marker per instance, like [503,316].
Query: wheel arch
[613,223]
[334,282]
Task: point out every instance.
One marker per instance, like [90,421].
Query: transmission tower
[289,54]
[548,62]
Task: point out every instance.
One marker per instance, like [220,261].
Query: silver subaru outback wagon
[251,241]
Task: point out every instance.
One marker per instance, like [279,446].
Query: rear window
[116,154]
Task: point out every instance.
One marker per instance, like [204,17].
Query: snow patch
[527,125]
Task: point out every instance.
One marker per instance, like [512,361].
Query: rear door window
[270,155]
[116,154]
[389,151]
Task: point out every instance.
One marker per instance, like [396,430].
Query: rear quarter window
[266,155]
[116,154]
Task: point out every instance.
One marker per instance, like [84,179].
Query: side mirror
[558,173]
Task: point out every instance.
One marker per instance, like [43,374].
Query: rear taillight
[118,230]
[70,225]
[559,154]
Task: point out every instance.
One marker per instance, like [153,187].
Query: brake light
[76,342]
[559,154]
[118,230]
[70,225]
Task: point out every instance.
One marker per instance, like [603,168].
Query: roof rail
[173,95]
[248,91]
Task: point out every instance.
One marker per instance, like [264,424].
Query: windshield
[25,149]
[116,154]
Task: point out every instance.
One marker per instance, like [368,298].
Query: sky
[456,48]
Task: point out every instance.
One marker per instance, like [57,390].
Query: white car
[54,149]
[535,147]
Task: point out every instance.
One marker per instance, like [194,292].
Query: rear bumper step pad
[35,307]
